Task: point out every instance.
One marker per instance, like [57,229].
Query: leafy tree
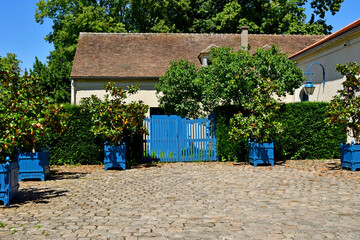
[269,16]
[112,117]
[71,17]
[344,109]
[27,117]
[11,63]
[179,90]
[55,76]
[201,16]
[259,120]
[228,80]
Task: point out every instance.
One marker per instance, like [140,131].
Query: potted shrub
[344,111]
[28,117]
[257,123]
[115,121]
[9,167]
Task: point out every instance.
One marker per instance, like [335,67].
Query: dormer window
[204,55]
[204,60]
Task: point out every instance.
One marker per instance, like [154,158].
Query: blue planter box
[350,156]
[34,165]
[261,153]
[114,156]
[9,181]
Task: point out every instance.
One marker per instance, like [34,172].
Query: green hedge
[227,149]
[78,145]
[305,134]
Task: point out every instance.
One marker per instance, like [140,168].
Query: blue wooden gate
[175,139]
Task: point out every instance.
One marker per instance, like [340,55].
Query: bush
[305,135]
[228,149]
[344,107]
[78,144]
[27,116]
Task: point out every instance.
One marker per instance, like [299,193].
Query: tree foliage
[260,118]
[112,117]
[230,79]
[250,82]
[179,90]
[55,76]
[198,16]
[11,63]
[27,116]
[344,109]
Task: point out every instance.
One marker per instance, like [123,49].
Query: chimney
[244,37]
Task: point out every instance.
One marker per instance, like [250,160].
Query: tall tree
[230,79]
[11,63]
[70,18]
[201,16]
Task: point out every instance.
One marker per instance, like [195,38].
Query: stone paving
[292,200]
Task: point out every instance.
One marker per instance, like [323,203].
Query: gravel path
[292,200]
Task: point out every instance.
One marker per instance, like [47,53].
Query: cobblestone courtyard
[293,200]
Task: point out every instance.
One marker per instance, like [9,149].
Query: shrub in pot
[344,111]
[115,120]
[257,123]
[27,119]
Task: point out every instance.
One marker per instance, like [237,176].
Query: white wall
[85,88]
[343,50]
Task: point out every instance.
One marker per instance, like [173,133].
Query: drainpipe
[73,92]
[244,37]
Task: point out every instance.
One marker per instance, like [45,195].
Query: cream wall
[86,87]
[340,50]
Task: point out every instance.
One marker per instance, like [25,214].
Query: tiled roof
[148,55]
[328,38]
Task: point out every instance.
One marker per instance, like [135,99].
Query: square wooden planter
[261,153]
[350,156]
[9,181]
[34,165]
[114,156]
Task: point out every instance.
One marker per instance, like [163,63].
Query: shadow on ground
[59,175]
[34,195]
[146,165]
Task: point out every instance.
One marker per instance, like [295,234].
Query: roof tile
[148,55]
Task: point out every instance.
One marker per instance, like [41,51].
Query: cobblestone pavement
[293,200]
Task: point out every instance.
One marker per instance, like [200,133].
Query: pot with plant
[27,119]
[258,123]
[116,121]
[9,166]
[344,111]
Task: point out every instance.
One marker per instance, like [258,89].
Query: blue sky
[20,34]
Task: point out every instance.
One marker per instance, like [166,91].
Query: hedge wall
[227,149]
[305,134]
[78,145]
